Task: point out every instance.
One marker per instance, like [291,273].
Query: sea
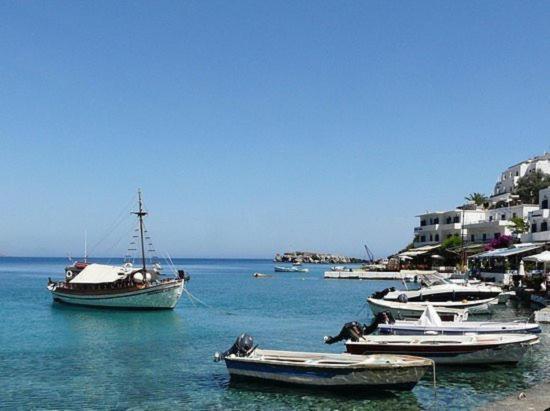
[55,356]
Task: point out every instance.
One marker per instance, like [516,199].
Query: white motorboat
[435,288]
[449,349]
[414,310]
[126,286]
[326,371]
[430,323]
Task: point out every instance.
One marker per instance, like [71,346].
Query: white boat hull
[161,296]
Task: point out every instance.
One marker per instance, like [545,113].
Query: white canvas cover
[100,273]
[430,318]
[543,257]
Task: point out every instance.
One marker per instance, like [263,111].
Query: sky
[256,127]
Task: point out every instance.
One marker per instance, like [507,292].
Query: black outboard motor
[381,294]
[243,347]
[350,331]
[354,330]
[182,275]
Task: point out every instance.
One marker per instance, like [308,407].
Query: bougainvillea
[504,241]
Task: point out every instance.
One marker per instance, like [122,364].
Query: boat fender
[402,298]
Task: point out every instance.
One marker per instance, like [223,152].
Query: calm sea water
[55,356]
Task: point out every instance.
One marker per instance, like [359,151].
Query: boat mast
[140,215]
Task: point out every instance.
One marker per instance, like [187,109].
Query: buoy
[69,274]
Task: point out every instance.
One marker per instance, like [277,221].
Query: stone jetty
[310,257]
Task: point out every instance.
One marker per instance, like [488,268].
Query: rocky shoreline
[310,257]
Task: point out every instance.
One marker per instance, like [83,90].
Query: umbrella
[521,270]
[437,257]
[405,257]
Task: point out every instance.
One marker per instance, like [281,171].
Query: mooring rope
[192,298]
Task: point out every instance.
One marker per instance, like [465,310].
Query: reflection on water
[66,357]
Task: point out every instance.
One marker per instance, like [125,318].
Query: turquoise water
[54,356]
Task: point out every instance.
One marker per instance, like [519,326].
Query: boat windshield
[429,280]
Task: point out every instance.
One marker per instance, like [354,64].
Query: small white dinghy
[328,371]
[431,323]
[449,349]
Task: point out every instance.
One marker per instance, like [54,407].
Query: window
[449,220]
[436,220]
[456,234]
[514,215]
[503,216]
[484,237]
[491,218]
[534,228]
[422,223]
[437,237]
[423,239]
[431,237]
[431,221]
[544,203]
[517,173]
[544,226]
[473,238]
[449,235]
[456,219]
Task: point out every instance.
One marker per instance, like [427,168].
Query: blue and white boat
[430,323]
[244,361]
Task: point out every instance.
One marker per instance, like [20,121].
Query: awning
[418,251]
[100,273]
[507,252]
[543,257]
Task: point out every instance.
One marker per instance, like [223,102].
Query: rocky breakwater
[314,258]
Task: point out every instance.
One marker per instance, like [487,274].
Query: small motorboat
[281,269]
[260,275]
[327,371]
[414,310]
[449,349]
[430,323]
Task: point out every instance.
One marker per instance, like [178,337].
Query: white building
[539,220]
[437,226]
[509,177]
[497,222]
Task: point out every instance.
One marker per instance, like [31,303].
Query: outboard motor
[182,275]
[243,347]
[402,298]
[354,330]
[350,331]
[381,294]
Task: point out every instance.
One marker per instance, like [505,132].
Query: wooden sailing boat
[125,286]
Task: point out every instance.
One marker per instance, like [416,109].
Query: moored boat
[281,269]
[431,323]
[435,288]
[414,310]
[327,371]
[126,286]
[449,349]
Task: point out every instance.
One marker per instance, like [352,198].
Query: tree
[529,185]
[451,242]
[477,198]
[520,225]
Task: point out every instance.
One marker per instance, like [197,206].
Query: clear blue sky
[255,126]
